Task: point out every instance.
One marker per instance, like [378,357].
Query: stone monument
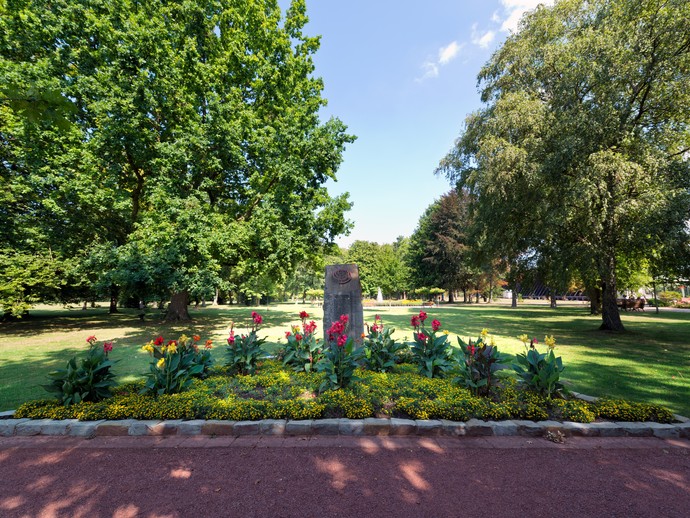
[342,295]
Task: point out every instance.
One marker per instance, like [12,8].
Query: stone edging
[348,427]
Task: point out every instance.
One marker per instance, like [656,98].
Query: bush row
[274,393]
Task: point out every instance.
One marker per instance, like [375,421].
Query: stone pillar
[342,295]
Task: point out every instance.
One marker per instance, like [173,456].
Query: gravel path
[343,476]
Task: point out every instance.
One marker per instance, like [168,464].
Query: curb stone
[346,427]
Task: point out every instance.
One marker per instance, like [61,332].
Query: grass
[650,362]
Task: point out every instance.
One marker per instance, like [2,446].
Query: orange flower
[208,344]
[196,338]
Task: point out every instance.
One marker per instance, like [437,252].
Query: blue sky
[402,75]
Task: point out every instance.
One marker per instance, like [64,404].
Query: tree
[584,138]
[440,252]
[194,149]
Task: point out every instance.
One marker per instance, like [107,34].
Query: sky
[402,75]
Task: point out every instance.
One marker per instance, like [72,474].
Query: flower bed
[427,378]
[275,392]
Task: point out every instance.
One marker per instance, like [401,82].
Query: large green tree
[582,146]
[194,153]
[441,252]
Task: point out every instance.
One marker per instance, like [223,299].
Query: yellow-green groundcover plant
[277,392]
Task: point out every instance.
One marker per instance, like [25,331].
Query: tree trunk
[114,292]
[477,296]
[464,295]
[594,294]
[610,317]
[553,300]
[516,288]
[177,310]
[450,297]
[491,289]
[215,298]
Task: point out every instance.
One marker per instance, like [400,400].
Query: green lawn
[650,362]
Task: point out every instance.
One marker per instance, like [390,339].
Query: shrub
[431,352]
[670,298]
[621,410]
[89,380]
[344,403]
[244,352]
[479,363]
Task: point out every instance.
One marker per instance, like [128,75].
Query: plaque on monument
[342,295]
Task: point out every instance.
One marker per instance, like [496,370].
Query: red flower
[91,338]
[298,337]
[342,340]
[374,328]
[158,341]
[471,348]
[231,338]
[310,327]
[421,336]
[422,316]
[303,315]
[254,313]
[257,318]
[414,321]
[344,319]
[172,342]
[435,325]
[377,317]
[107,347]
[337,328]
[287,334]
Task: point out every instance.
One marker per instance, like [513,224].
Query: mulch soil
[343,476]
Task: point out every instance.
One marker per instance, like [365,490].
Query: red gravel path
[343,476]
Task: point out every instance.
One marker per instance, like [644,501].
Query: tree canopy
[580,153]
[193,154]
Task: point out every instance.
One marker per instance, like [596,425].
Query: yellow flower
[492,342]
[550,341]
[172,348]
[524,339]
[148,348]
[160,363]
[485,332]
[183,339]
[446,332]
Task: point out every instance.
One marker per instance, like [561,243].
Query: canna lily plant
[303,349]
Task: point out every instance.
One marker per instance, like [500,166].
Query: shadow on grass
[649,362]
[24,370]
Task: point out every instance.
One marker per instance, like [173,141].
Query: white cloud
[430,70]
[496,18]
[448,53]
[514,10]
[482,40]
